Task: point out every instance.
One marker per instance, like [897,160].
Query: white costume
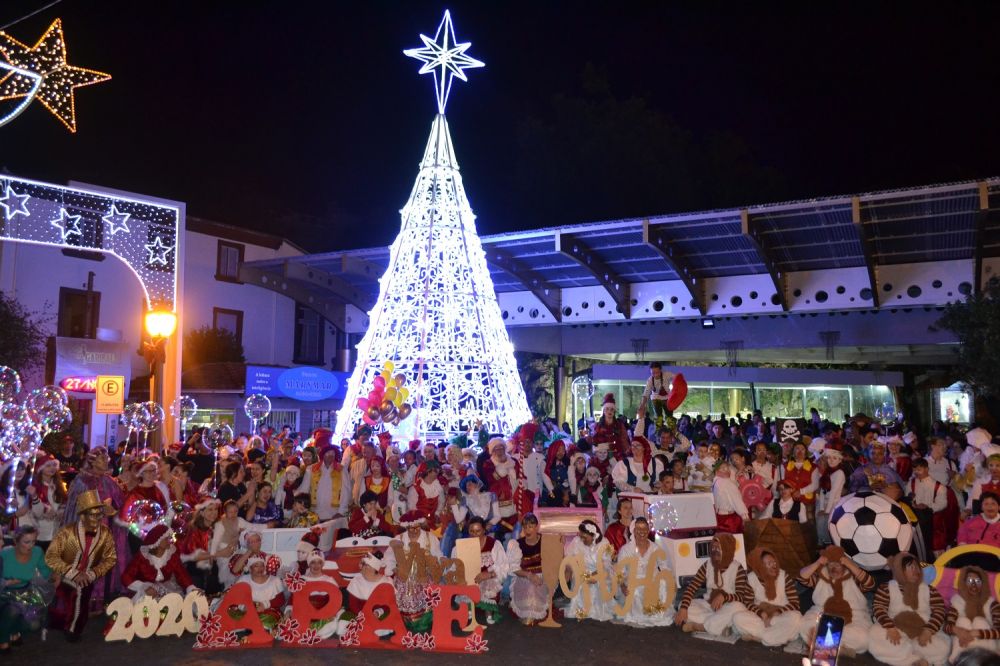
[909,650]
[855,634]
[784,626]
[982,622]
[728,498]
[633,470]
[594,557]
[638,615]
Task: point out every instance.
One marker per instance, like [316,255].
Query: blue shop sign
[303,383]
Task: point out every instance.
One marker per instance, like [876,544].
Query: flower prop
[386,402]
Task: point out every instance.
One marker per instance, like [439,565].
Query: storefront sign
[79,384]
[79,361]
[303,383]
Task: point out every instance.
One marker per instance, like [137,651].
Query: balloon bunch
[23,425]
[142,417]
[386,402]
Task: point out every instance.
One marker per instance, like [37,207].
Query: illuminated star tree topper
[437,317]
[444,58]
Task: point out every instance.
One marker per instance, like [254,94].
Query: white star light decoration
[445,60]
[116,220]
[14,204]
[158,252]
[68,225]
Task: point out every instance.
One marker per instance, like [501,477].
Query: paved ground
[589,643]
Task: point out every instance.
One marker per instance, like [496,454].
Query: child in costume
[266,589]
[529,595]
[156,570]
[493,570]
[974,617]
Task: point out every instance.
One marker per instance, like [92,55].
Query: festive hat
[471,478]
[609,399]
[311,538]
[315,554]
[414,444]
[155,535]
[89,499]
[44,459]
[412,519]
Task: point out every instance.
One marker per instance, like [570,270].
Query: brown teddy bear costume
[973,609]
[913,608]
[838,589]
[774,601]
[723,578]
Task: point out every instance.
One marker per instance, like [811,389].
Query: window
[308,337]
[79,312]
[324,418]
[278,418]
[228,260]
[229,320]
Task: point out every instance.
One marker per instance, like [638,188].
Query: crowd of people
[77,539]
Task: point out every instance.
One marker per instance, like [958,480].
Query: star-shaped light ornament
[14,204]
[116,220]
[47,58]
[444,58]
[158,252]
[68,225]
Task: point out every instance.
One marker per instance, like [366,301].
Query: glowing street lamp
[160,325]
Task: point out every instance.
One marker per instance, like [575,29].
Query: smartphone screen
[826,644]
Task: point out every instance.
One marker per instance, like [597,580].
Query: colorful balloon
[142,516]
[399,380]
[405,410]
[10,384]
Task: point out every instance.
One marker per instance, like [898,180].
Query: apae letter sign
[110,394]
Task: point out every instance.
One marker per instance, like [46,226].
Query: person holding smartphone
[839,587]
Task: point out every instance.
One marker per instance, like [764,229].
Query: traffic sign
[110,394]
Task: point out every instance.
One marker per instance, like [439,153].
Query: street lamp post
[160,325]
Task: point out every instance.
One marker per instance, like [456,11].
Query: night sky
[304,119]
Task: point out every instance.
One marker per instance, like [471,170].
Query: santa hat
[315,554]
[979,438]
[609,399]
[294,470]
[373,561]
[44,459]
[150,463]
[412,519]
[205,501]
[494,443]
[156,535]
[272,563]
[311,538]
[527,431]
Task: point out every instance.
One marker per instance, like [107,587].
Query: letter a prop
[239,599]
[383,597]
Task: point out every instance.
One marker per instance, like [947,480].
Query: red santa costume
[157,575]
[502,478]
[360,589]
[425,496]
[267,594]
[158,493]
[610,430]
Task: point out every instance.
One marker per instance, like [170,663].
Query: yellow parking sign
[110,394]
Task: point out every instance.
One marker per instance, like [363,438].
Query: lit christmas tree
[437,318]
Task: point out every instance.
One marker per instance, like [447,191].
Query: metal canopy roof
[923,224]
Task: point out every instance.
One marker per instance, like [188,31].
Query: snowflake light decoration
[437,317]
